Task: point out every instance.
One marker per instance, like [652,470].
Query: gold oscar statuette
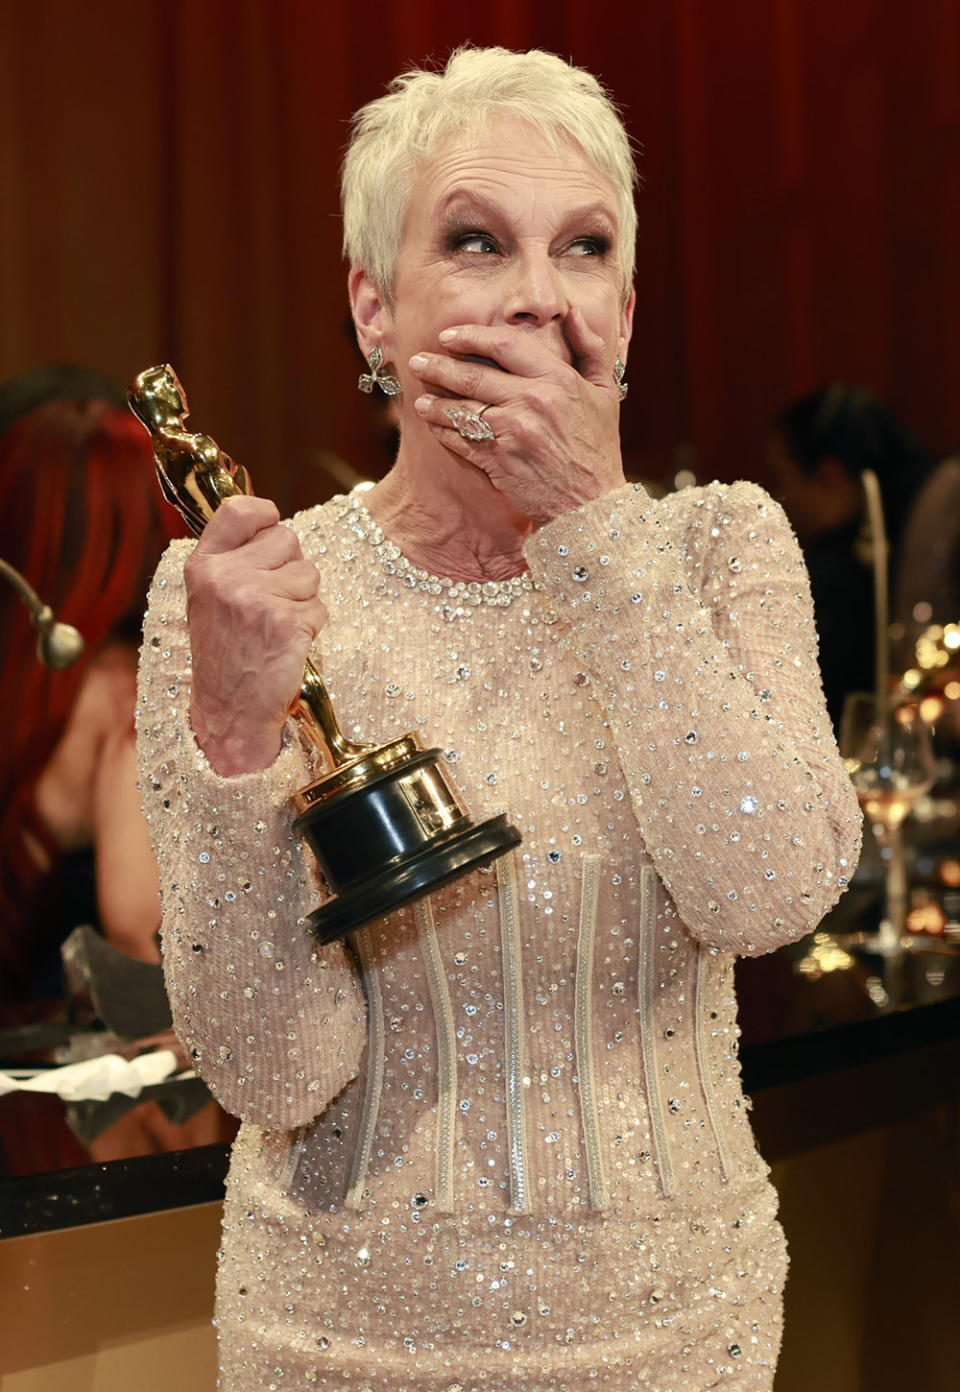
[384,822]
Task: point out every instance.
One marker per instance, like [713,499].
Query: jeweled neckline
[392,560]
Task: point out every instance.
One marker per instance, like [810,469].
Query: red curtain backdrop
[168,175]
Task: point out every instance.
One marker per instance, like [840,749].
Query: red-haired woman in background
[82,519]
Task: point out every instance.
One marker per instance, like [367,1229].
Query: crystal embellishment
[462,596]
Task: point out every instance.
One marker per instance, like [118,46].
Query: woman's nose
[534,291]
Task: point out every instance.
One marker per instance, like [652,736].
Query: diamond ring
[470,424]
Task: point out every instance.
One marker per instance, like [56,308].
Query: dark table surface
[808,1012]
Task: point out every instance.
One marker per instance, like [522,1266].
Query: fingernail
[418,362]
[447,335]
[422,404]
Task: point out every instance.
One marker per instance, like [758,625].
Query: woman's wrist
[240,747]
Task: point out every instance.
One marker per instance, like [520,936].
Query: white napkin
[94,1080]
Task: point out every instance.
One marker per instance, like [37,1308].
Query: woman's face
[502,229]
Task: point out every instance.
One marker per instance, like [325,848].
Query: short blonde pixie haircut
[394,135]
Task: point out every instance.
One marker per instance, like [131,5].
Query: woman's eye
[589,246]
[475,241]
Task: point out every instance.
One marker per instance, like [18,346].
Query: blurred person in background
[817,449]
[926,599]
[927,589]
[84,522]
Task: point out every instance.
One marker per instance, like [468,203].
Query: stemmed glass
[888,753]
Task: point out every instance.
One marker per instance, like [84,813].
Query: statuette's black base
[386,833]
[418,874]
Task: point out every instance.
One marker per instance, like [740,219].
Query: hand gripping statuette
[384,823]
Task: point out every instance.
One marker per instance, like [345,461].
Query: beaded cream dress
[500,1142]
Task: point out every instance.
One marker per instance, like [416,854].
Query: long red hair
[82,518]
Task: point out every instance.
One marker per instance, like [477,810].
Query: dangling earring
[619,372]
[389,385]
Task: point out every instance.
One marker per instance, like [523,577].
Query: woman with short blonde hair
[500,1143]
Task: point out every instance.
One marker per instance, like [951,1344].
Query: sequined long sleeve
[275,1025]
[695,617]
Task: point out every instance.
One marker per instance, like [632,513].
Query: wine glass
[887,751]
